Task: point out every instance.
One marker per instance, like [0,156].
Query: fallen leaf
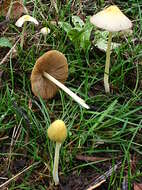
[102,45]
[14,12]
[4,6]
[137,186]
[101,40]
[77,21]
[90,158]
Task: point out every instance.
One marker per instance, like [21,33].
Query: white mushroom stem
[56,163]
[67,90]
[106,74]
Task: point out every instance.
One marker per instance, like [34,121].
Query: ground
[105,141]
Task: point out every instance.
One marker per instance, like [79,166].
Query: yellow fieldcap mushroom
[23,20]
[57,132]
[112,20]
[49,73]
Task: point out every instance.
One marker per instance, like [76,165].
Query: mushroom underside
[43,87]
[53,63]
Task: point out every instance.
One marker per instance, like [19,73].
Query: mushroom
[22,20]
[49,73]
[57,132]
[112,20]
[45,31]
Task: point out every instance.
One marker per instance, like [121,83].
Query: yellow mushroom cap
[111,19]
[57,131]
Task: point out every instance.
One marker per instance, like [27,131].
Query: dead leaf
[102,45]
[137,186]
[14,12]
[4,6]
[90,158]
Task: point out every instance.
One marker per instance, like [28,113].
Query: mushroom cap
[45,31]
[57,131]
[25,18]
[111,19]
[54,63]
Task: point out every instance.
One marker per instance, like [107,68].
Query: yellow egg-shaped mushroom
[57,131]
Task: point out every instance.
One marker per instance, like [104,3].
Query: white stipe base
[67,90]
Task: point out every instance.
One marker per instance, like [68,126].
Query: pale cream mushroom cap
[25,18]
[57,131]
[111,19]
[45,31]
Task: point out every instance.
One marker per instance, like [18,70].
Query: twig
[3,138]
[17,175]
[10,51]
[101,179]
[4,22]
[15,135]
[96,185]
[91,158]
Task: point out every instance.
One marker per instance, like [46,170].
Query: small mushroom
[23,20]
[57,132]
[49,73]
[112,20]
[45,31]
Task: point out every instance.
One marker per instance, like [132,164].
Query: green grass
[111,128]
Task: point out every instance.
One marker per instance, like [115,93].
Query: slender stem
[56,163]
[67,90]
[22,35]
[106,74]
[45,39]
